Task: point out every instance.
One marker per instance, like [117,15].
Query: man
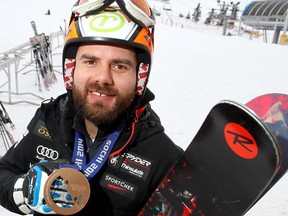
[104,126]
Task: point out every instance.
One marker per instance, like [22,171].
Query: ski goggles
[137,10]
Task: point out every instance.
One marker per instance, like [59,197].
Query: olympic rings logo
[47,152]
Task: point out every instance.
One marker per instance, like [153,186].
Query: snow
[194,67]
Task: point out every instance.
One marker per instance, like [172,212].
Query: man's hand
[33,188]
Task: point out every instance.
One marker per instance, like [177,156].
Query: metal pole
[225,25]
[286,22]
[9,84]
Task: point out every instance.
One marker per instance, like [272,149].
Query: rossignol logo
[107,22]
[119,186]
[240,141]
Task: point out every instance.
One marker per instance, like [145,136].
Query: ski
[43,57]
[7,137]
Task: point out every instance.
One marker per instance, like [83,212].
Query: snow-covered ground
[193,68]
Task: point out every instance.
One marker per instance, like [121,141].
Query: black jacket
[53,126]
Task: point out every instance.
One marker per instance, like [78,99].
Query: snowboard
[273,110]
[226,167]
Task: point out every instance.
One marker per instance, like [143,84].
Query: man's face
[104,82]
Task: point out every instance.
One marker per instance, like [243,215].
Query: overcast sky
[17,15]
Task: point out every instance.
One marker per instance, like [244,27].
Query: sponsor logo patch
[132,164]
[44,152]
[42,131]
[118,185]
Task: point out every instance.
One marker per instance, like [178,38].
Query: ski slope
[193,68]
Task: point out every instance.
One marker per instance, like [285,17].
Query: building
[267,15]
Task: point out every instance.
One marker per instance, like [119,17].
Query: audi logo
[47,152]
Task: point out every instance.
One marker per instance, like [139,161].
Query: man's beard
[97,112]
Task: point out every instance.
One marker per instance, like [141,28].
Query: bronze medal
[77,185]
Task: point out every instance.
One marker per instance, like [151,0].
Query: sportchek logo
[119,186]
[240,141]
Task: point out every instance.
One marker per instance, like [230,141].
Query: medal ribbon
[79,153]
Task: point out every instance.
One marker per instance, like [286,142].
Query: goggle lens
[137,10]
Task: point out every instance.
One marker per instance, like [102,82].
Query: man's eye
[90,62]
[121,67]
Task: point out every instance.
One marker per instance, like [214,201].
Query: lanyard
[79,153]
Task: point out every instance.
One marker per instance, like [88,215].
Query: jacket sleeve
[14,164]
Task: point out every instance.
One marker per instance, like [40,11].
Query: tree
[197,13]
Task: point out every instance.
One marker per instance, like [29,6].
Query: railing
[13,57]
